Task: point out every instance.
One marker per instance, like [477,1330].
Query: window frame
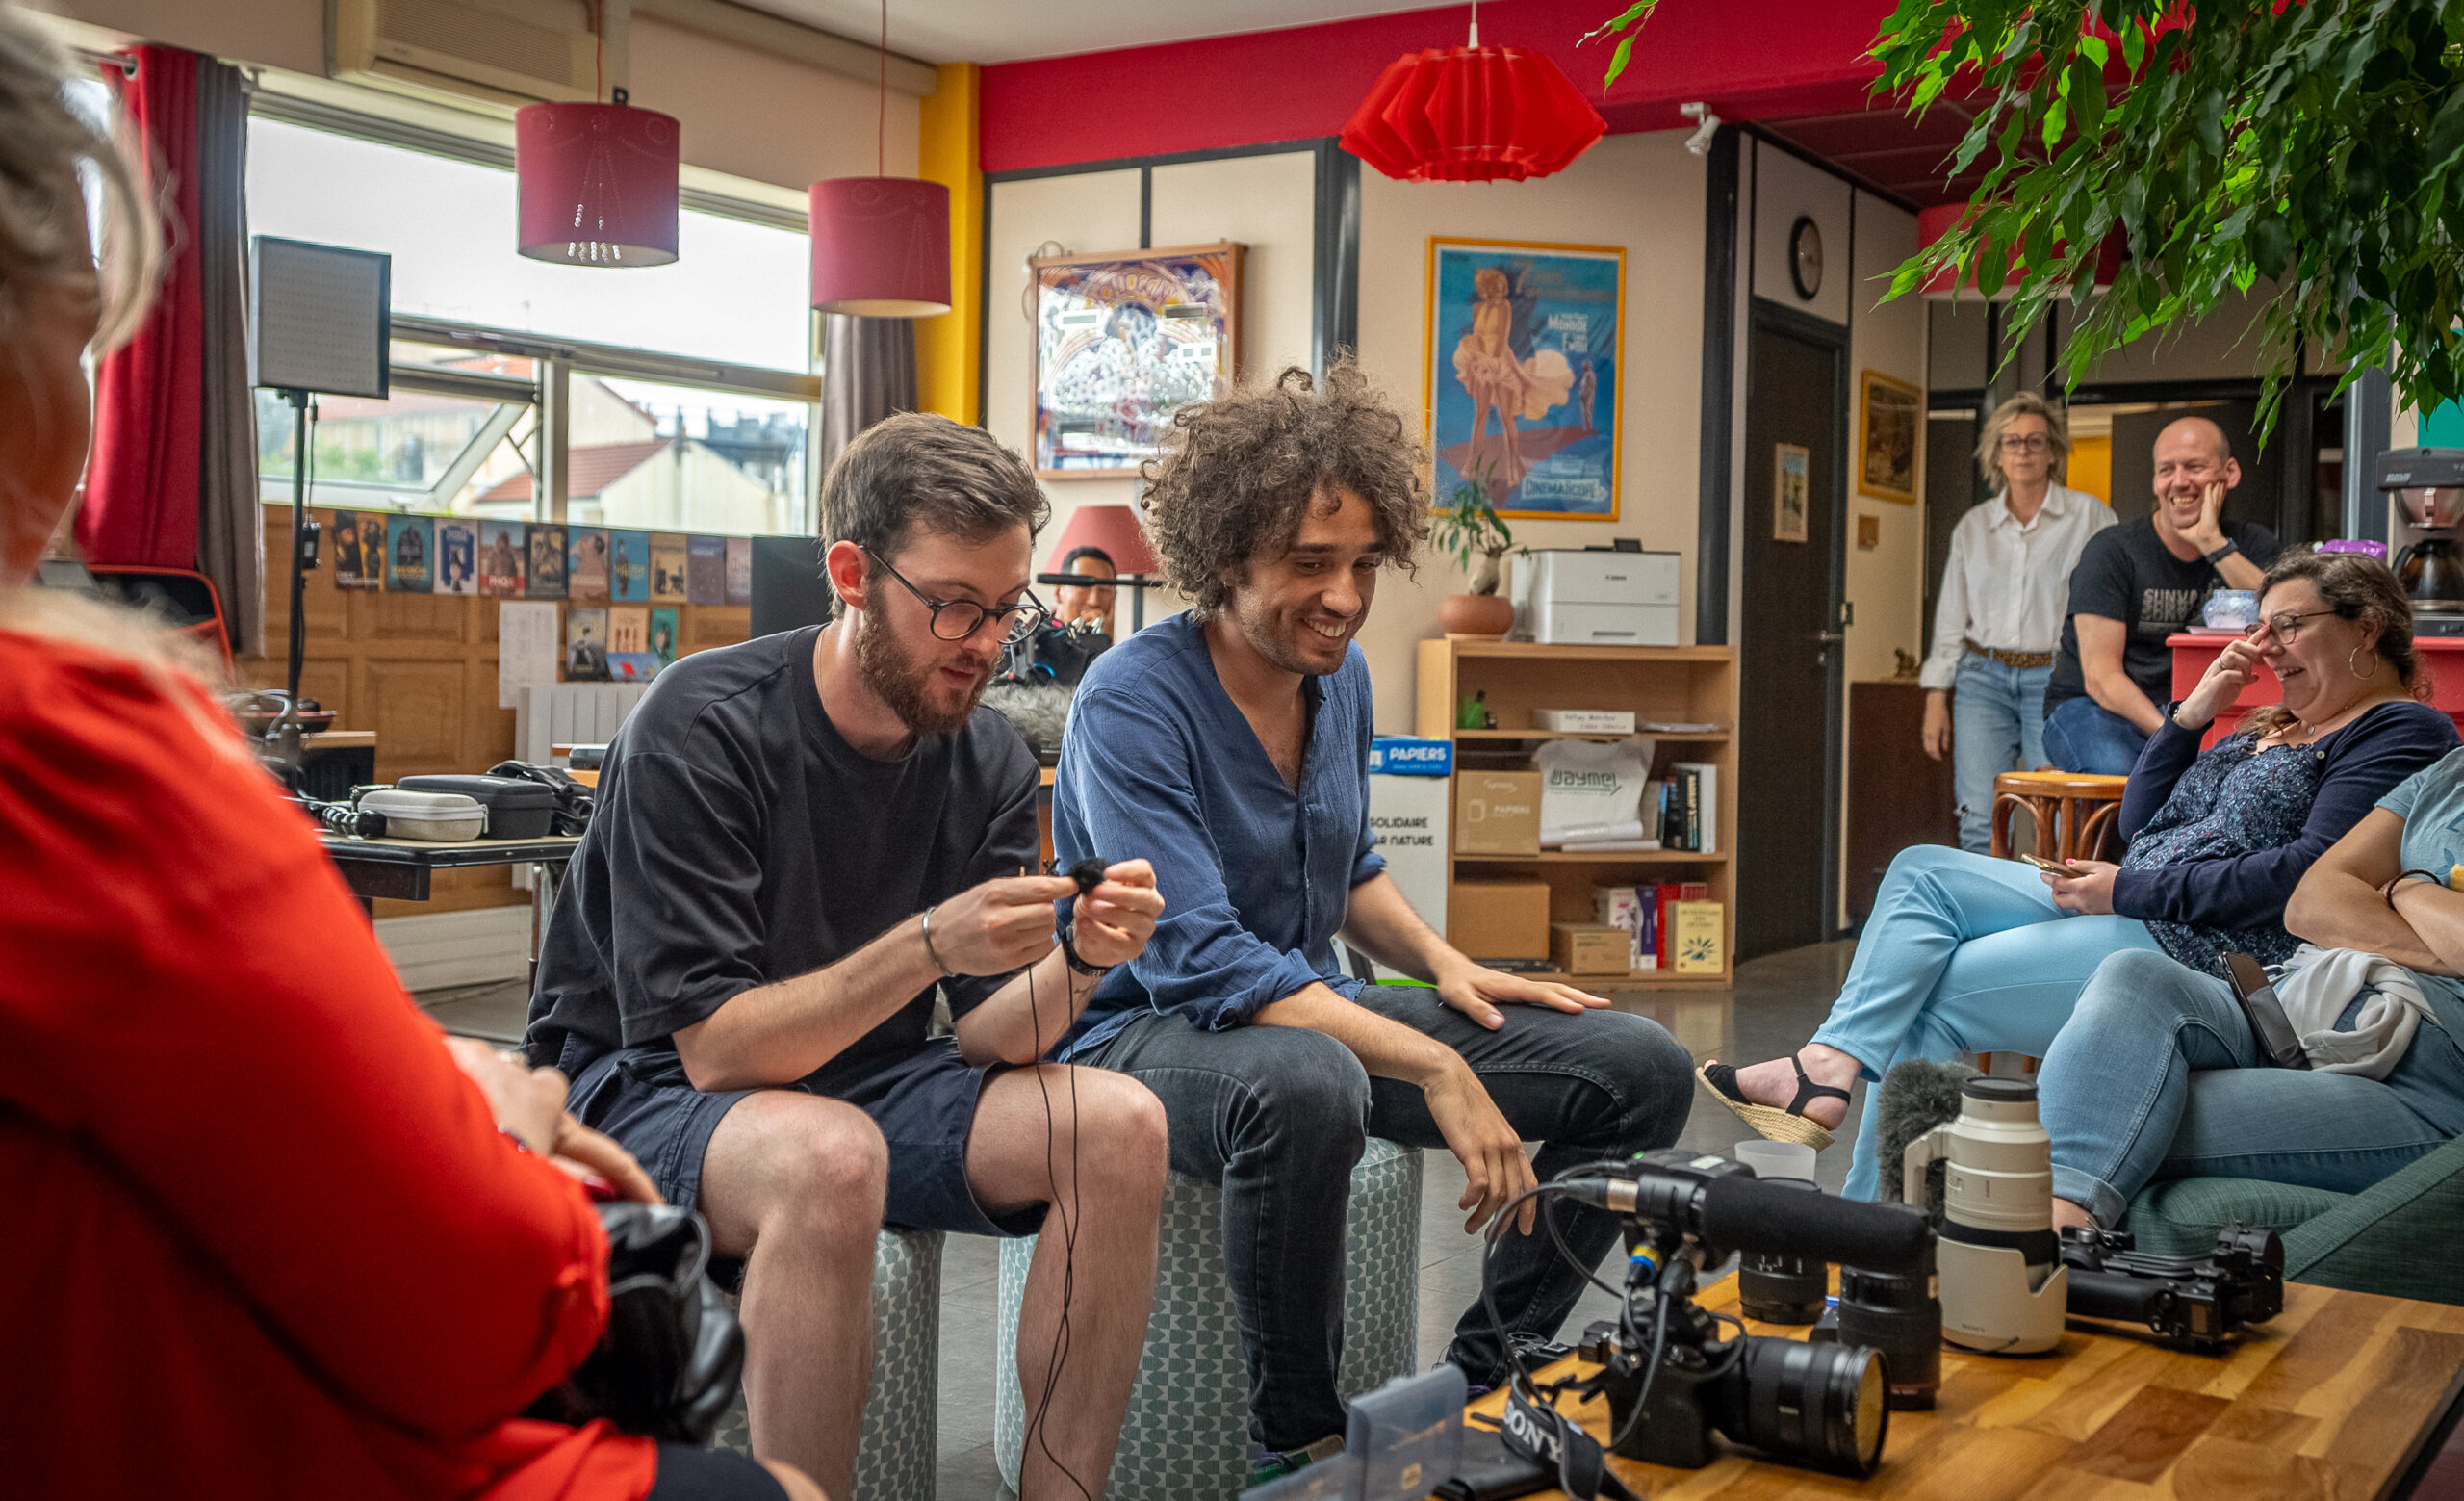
[558,358]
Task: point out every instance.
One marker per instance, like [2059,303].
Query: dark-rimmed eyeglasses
[956,620]
[2026,443]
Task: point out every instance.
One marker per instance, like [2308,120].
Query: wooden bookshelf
[1680,684]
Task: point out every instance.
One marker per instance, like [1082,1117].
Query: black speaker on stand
[321,320]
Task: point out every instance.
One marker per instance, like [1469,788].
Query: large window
[678,398]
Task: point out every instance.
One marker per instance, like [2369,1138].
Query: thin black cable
[1557,1236]
[1059,1360]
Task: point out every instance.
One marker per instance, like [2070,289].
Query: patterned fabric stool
[1186,1436]
[897,1453]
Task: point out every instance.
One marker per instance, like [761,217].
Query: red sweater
[262,1237]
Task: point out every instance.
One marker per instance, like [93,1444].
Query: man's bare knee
[784,1162]
[1122,1132]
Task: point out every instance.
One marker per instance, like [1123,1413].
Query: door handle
[1831,637]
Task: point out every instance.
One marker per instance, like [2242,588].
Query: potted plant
[1469,528]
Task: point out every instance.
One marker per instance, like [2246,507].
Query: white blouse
[2009,586]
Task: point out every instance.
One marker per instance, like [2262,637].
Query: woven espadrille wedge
[1770,1121]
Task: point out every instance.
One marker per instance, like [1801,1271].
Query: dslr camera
[1671,1381]
[2192,1301]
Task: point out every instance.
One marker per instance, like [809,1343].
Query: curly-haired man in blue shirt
[1230,745]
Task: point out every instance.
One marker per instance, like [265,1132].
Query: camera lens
[1779,1290]
[1899,1317]
[1820,1405]
[1782,1289]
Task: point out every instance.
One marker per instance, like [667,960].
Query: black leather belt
[2011,658]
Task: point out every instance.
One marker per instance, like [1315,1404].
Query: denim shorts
[924,1106]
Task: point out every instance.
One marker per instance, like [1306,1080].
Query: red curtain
[141,484]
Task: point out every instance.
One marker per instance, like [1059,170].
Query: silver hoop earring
[2357,671]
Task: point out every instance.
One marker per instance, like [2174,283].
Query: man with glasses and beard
[800,839]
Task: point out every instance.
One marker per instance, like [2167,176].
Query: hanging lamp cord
[881,127]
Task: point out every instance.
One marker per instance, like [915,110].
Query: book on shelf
[1690,808]
[1665,897]
[1680,726]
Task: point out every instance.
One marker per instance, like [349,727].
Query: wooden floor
[2327,1402]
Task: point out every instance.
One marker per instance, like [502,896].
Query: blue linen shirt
[1159,763]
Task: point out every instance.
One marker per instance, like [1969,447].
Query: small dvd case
[1408,1433]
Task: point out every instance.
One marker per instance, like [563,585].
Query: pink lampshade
[1115,529]
[881,246]
[597,184]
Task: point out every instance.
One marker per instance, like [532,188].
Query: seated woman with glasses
[2161,1076]
[1965,954]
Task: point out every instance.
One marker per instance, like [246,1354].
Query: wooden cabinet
[1677,684]
[1897,796]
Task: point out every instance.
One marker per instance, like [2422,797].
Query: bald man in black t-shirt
[2137,584]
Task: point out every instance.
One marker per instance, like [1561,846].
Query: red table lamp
[1114,528]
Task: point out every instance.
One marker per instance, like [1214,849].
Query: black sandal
[1769,1122]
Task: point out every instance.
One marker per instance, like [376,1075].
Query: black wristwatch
[1069,953]
[2230,548]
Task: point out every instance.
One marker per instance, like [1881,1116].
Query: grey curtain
[230,534]
[867,372]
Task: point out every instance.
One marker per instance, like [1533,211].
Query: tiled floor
[1776,1004]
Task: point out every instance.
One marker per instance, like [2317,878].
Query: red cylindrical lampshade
[598,183]
[881,246]
[1112,527]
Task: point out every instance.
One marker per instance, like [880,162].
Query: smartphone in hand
[2054,865]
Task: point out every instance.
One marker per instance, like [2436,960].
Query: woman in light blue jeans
[2158,1076]
[1965,954]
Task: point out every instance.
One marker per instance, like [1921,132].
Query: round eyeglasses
[954,620]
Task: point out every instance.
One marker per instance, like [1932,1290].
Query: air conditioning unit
[503,52]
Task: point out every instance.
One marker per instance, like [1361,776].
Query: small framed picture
[1790,486]
[1890,420]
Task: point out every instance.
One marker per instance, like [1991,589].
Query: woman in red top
[267,1236]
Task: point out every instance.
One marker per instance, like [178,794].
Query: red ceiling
[1797,66]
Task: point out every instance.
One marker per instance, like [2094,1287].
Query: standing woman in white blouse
[1999,619]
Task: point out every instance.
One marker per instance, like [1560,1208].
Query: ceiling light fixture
[1472,114]
[597,184]
[881,245]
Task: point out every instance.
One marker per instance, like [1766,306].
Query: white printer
[1595,598]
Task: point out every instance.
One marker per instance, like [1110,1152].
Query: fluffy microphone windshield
[1917,1097]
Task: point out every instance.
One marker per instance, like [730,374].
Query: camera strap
[1536,1432]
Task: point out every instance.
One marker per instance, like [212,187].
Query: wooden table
[2332,1399]
[400,868]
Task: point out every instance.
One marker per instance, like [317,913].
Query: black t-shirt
[2126,573]
[739,841]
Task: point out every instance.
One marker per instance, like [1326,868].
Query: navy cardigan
[2365,760]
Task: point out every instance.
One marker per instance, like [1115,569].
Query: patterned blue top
[2211,870]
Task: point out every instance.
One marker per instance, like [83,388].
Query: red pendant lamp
[881,245]
[1472,114]
[598,183]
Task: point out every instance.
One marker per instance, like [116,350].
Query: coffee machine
[2428,486]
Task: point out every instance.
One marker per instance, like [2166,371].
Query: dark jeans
[1278,1115]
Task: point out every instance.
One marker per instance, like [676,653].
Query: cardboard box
[1499,920]
[1701,945]
[1590,948]
[1497,812]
